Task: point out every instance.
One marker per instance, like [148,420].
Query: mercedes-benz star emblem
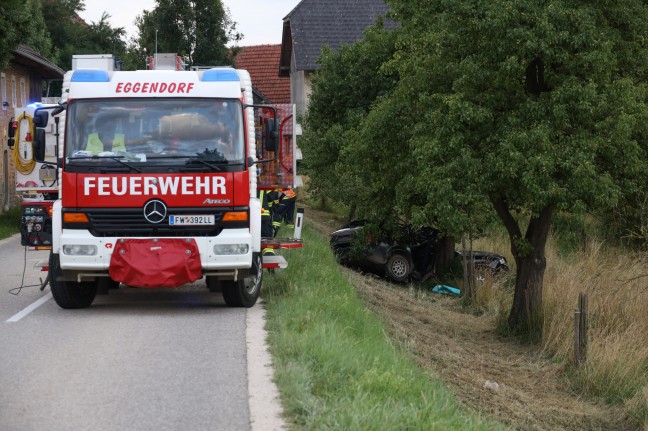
[155,211]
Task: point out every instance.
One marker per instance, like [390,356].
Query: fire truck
[151,178]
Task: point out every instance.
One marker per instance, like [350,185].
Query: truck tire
[69,294]
[104,284]
[245,292]
[398,268]
[213,284]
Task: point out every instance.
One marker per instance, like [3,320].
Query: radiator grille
[131,222]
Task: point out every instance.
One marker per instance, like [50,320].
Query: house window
[3,91]
[14,99]
[23,92]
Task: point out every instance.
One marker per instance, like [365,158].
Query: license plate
[193,220]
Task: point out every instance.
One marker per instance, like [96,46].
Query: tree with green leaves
[514,110]
[344,88]
[12,20]
[67,31]
[198,30]
[71,35]
[214,29]
[103,38]
[525,107]
[23,22]
[36,34]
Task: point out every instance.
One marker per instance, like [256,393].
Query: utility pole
[156,49]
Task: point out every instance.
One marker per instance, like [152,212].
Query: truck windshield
[161,131]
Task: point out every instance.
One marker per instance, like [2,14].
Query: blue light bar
[34,105]
[90,75]
[225,74]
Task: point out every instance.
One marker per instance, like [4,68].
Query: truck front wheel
[69,294]
[245,292]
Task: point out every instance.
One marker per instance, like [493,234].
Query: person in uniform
[284,211]
[106,137]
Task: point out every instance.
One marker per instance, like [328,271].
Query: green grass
[335,366]
[9,222]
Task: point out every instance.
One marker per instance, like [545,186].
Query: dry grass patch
[465,351]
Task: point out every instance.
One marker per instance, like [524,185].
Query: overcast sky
[260,21]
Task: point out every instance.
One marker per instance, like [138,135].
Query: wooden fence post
[582,305]
[580,330]
[577,358]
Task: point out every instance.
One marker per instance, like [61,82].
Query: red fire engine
[151,178]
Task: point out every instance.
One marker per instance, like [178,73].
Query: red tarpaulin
[155,262]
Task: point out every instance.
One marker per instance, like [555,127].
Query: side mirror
[38,145]
[58,110]
[270,135]
[40,118]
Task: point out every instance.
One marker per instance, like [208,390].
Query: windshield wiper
[193,159]
[214,167]
[115,158]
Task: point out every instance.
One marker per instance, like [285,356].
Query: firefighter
[106,137]
[285,210]
[266,221]
[273,200]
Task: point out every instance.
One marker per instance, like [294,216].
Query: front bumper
[209,260]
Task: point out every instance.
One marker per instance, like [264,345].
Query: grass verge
[335,366]
[9,222]
[616,369]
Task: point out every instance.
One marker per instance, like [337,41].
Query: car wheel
[69,294]
[398,268]
[244,292]
[341,255]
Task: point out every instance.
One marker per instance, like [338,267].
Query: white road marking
[34,305]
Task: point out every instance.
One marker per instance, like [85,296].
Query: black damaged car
[407,256]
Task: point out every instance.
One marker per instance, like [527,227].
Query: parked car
[407,256]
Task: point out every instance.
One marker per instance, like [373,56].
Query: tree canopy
[199,30]
[196,29]
[347,84]
[21,22]
[517,109]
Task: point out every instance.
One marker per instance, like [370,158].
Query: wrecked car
[401,257]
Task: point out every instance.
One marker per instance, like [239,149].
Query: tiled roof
[32,58]
[314,23]
[262,61]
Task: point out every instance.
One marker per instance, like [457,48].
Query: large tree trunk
[444,252]
[526,315]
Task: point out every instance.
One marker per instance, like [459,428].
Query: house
[262,62]
[315,23]
[21,83]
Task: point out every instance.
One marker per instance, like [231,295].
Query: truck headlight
[80,250]
[231,248]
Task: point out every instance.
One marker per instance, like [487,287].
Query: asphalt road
[160,359]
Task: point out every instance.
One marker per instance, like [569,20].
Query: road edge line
[31,307]
[263,396]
